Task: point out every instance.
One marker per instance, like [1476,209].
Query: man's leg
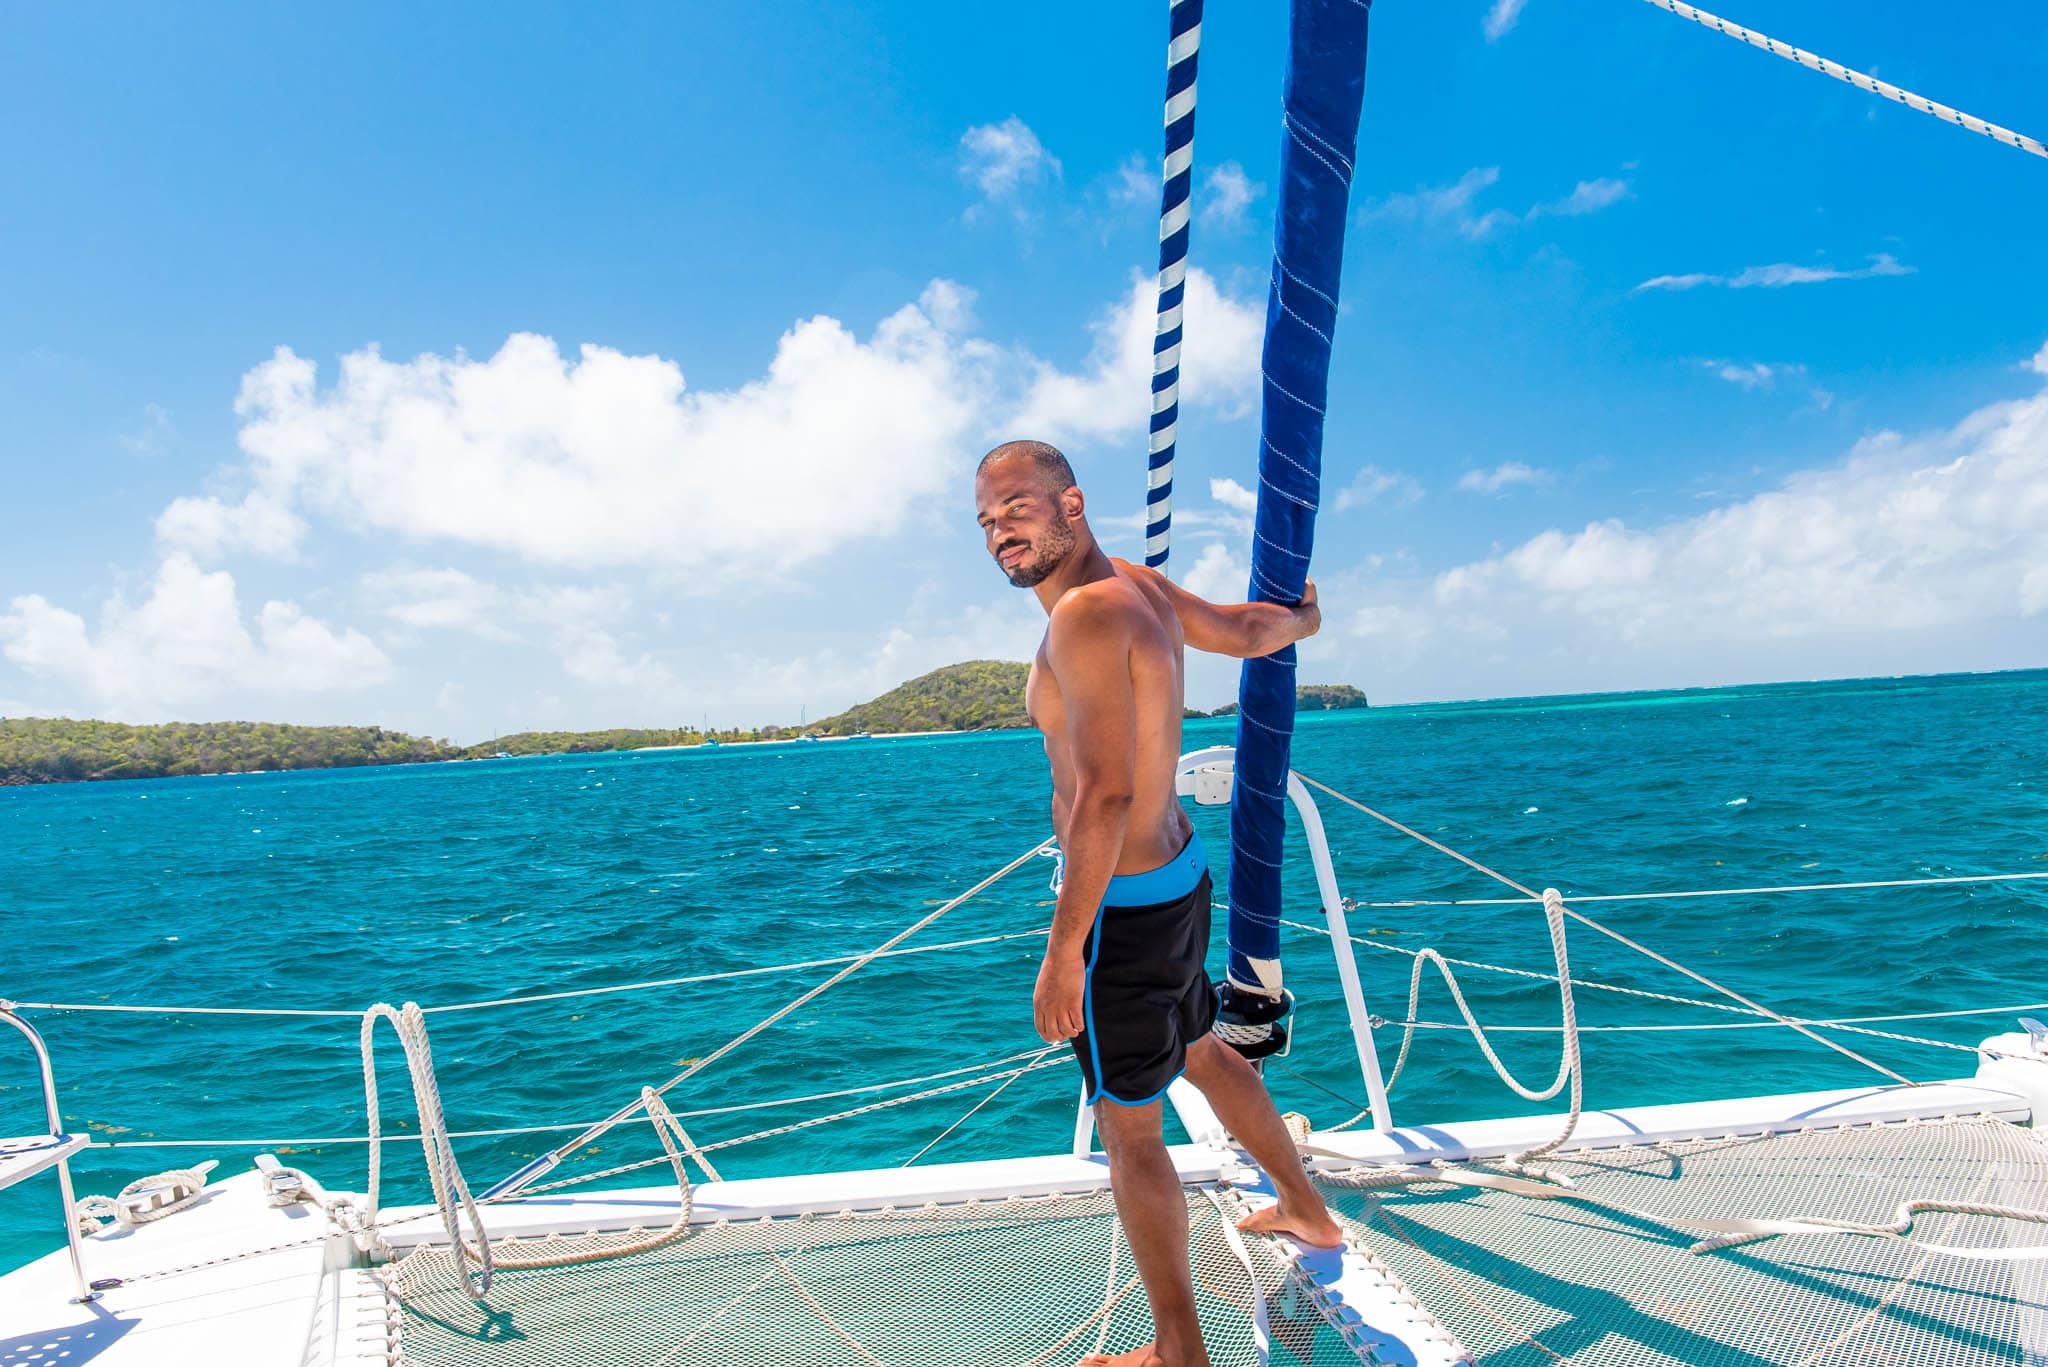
[1238,1096]
[1154,1210]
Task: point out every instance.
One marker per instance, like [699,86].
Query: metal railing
[56,1128]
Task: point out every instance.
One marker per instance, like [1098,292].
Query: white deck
[256,1309]
[268,1305]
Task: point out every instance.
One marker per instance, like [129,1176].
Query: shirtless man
[1123,976]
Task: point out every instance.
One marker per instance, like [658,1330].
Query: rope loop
[143,1200]
[475,1258]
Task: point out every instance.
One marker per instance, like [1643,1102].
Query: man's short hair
[1053,470]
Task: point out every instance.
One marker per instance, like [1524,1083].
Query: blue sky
[506,367]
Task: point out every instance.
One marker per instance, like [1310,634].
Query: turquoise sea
[457,882]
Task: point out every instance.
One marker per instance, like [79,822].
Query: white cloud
[605,460]
[1587,197]
[441,600]
[575,622]
[1502,17]
[1235,496]
[1503,476]
[1219,574]
[1779,275]
[1135,183]
[1455,204]
[1004,161]
[207,528]
[1942,537]
[830,680]
[1451,204]
[155,435]
[1766,377]
[1371,484]
[1111,396]
[185,646]
[1755,375]
[1227,193]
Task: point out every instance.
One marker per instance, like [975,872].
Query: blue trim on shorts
[1170,882]
[1088,1002]
[1101,1095]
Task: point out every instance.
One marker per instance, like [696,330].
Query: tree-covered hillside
[1313,698]
[57,750]
[979,695]
[975,696]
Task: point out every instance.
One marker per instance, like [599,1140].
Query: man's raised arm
[1242,630]
[1088,646]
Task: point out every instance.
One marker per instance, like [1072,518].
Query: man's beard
[1053,549]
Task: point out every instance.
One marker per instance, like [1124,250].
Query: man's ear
[1071,501]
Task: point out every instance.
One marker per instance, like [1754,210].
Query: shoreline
[792,740]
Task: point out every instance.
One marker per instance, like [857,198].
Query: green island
[978,695]
[1312,698]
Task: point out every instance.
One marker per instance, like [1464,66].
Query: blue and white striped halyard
[1185,27]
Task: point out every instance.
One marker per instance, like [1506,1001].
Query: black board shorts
[1147,995]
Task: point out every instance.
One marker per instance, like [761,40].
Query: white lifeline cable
[1855,78]
[1615,935]
[527,1175]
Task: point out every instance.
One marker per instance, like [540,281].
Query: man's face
[1025,527]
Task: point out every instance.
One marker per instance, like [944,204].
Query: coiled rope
[1855,78]
[477,1261]
[143,1200]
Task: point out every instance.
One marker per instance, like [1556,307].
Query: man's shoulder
[1103,609]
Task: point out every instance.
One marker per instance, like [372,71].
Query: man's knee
[1128,1128]
[1210,1060]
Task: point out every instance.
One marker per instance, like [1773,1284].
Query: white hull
[256,1294]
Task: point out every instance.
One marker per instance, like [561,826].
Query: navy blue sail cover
[1325,86]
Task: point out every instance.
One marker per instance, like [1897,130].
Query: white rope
[1568,1062]
[1614,935]
[525,1176]
[318,1141]
[452,1199]
[143,1200]
[976,1108]
[1709,892]
[450,1189]
[353,1014]
[1532,973]
[1855,78]
[1725,1233]
[1847,1023]
[1721,1233]
[793,1127]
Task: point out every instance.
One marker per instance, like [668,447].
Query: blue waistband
[1170,882]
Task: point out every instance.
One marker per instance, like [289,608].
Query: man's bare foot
[1148,1356]
[1317,1230]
